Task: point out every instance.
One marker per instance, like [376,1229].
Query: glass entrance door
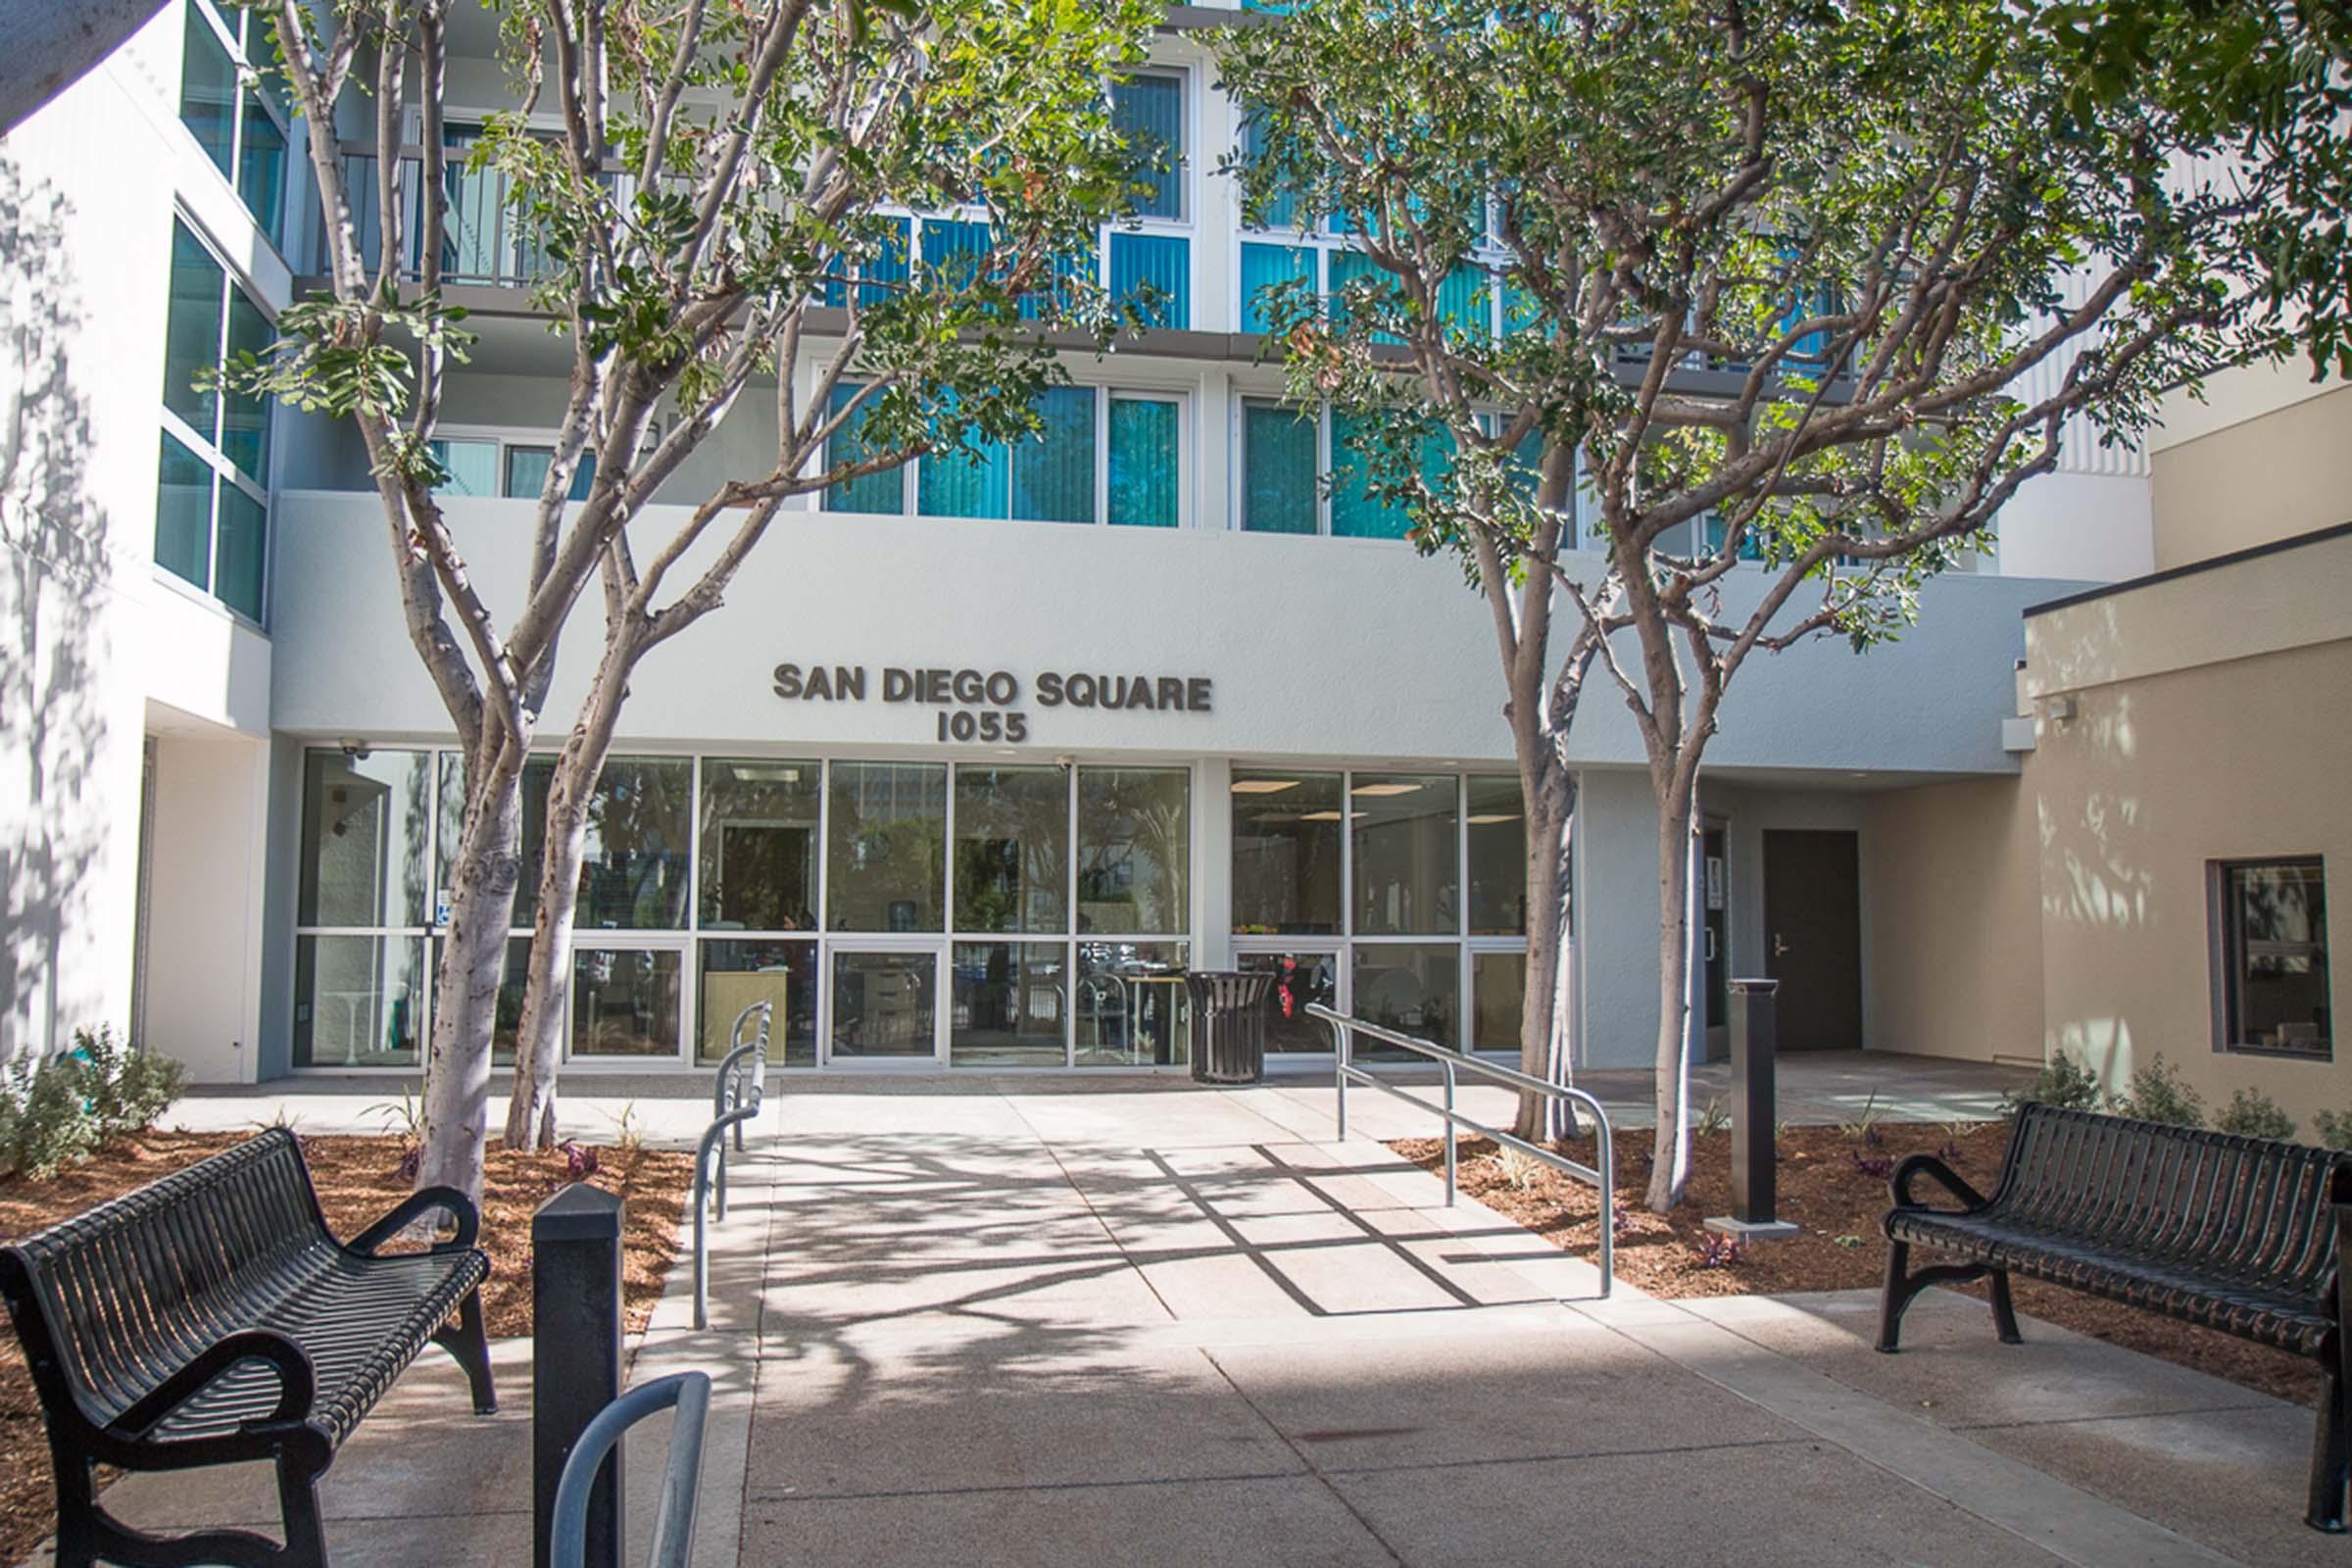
[885,1006]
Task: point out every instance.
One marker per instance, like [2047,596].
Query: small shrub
[580,1161]
[1874,1167]
[1714,1118]
[1720,1252]
[628,1131]
[126,1090]
[2063,1082]
[1864,1128]
[49,1122]
[1519,1170]
[1850,1242]
[2157,1094]
[2255,1114]
[2335,1128]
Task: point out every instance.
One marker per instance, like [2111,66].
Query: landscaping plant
[2335,1128]
[2157,1094]
[2064,1082]
[2255,1114]
[126,1090]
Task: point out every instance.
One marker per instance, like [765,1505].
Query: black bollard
[1754,1105]
[575,1357]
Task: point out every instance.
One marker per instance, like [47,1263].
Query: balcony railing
[484,241]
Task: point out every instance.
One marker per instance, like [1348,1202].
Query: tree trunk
[483,875]
[1670,1158]
[1542,1017]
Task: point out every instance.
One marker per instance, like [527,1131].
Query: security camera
[355,748]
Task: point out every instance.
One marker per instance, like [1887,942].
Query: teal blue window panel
[1071,270]
[888,264]
[1162,262]
[1520,309]
[1345,267]
[1278,470]
[1269,266]
[953,483]
[469,468]
[208,92]
[884,492]
[245,416]
[1464,303]
[193,331]
[1356,513]
[1143,463]
[183,514]
[526,472]
[1054,471]
[957,249]
[241,551]
[1149,113]
[1282,211]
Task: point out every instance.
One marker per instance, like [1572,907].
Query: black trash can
[1229,1025]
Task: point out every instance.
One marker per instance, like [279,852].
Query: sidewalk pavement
[1141,1326]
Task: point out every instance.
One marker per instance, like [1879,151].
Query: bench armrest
[297,1383]
[417,1204]
[1900,1184]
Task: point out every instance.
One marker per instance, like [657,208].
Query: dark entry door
[1714,944]
[1813,935]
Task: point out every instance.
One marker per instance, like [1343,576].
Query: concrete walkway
[1151,1325]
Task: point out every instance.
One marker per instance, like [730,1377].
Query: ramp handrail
[735,1098]
[1344,1029]
[673,1515]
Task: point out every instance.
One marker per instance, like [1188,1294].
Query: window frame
[207,446]
[2226,958]
[506,437]
[272,225]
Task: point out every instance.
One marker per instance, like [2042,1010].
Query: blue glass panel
[1070,269]
[193,331]
[183,514]
[1143,463]
[242,549]
[1520,309]
[1163,261]
[1278,470]
[261,169]
[959,484]
[470,467]
[956,248]
[1345,267]
[208,91]
[1266,267]
[1148,111]
[884,492]
[1054,471]
[1463,302]
[888,264]
[1282,211]
[1356,513]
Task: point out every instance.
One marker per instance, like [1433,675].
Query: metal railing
[1344,1029]
[674,1514]
[735,1098]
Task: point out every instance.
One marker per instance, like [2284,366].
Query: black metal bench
[2235,1234]
[211,1318]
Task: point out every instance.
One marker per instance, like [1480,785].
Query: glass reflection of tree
[1135,828]
[1011,862]
[634,874]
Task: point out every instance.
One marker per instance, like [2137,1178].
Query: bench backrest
[126,1291]
[2253,1209]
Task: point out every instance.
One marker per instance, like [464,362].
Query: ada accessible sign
[989,706]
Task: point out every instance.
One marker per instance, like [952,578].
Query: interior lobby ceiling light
[1386,789]
[1323,816]
[1489,819]
[766,772]
[1263,786]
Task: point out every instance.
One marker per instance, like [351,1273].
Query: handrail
[1344,1029]
[674,1514]
[736,1096]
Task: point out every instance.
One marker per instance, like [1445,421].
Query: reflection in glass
[633,859]
[760,823]
[183,513]
[886,846]
[1008,1008]
[1134,849]
[364,826]
[884,1004]
[1300,979]
[192,331]
[506,1025]
[2275,925]
[208,91]
[1498,858]
[625,1001]
[1012,837]
[537,772]
[1132,1008]
[1498,990]
[359,1002]
[1410,987]
[1286,851]
[1406,858]
[736,974]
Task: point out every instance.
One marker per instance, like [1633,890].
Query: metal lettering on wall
[989,706]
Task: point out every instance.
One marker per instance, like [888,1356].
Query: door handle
[1780,948]
[1709,933]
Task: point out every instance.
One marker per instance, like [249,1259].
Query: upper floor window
[510,465]
[236,115]
[212,501]
[1102,454]
[2271,956]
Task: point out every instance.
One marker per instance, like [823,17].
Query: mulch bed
[358,1179]
[1834,1185]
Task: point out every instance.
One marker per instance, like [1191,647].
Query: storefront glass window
[1131,1006]
[759,844]
[625,1001]
[1012,859]
[2274,957]
[1134,849]
[1406,854]
[1409,987]
[359,1000]
[887,847]
[1287,849]
[506,1025]
[1011,1003]
[633,861]
[739,973]
[885,1004]
[1300,980]
[1497,990]
[366,827]
[1498,827]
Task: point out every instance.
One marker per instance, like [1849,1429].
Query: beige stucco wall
[2279,473]
[1951,880]
[2155,777]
